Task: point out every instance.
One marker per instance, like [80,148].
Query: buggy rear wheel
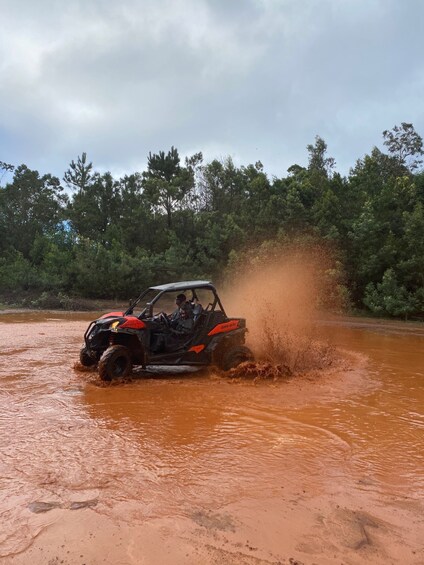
[86,359]
[234,356]
[114,363]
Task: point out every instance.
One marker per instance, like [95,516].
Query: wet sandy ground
[194,468]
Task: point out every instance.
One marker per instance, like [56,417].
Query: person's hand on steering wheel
[163,318]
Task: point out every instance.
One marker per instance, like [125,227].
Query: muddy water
[327,467]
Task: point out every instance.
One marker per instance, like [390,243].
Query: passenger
[197,308]
[184,323]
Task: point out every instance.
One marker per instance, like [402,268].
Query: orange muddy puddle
[326,467]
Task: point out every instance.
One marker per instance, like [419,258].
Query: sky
[253,79]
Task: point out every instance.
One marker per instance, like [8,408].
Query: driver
[180,326]
[183,310]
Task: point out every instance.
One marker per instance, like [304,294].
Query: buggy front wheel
[114,363]
[86,358]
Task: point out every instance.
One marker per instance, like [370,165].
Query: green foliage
[95,208]
[405,144]
[31,205]
[318,162]
[112,237]
[16,272]
[166,183]
[5,168]
[79,174]
[390,298]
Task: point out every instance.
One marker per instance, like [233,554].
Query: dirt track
[191,468]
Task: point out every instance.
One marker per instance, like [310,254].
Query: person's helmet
[180,299]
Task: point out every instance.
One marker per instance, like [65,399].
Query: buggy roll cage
[174,287]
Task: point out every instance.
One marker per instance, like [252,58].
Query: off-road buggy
[144,336]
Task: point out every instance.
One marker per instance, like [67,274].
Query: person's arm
[175,315]
[183,327]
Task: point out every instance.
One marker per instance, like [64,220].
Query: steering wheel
[163,318]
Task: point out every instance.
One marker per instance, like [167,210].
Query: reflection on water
[174,442]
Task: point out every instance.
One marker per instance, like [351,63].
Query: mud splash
[280,293]
[259,371]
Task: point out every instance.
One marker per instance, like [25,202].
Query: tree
[404,143]
[166,183]
[318,162]
[388,297]
[411,264]
[181,219]
[373,171]
[79,175]
[222,187]
[94,208]
[255,215]
[30,205]
[138,227]
[296,196]
[320,197]
[6,168]
[16,272]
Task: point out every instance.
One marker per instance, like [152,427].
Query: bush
[390,298]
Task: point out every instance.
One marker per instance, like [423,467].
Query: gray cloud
[255,79]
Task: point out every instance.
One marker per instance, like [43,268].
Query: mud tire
[115,363]
[234,356]
[86,359]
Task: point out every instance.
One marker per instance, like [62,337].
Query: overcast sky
[254,79]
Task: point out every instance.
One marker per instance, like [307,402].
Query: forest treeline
[95,236]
